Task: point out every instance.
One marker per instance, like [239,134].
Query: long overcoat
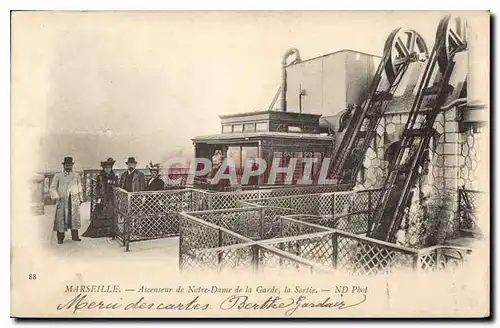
[64,184]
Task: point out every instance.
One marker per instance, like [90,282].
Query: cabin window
[294,128]
[237,128]
[227,128]
[249,127]
[262,126]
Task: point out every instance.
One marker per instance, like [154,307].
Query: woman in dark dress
[101,224]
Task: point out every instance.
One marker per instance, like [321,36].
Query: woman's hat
[153,167]
[68,160]
[109,162]
[131,160]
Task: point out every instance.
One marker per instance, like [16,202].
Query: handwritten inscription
[290,304]
[82,302]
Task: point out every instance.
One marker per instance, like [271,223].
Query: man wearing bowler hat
[132,180]
[66,190]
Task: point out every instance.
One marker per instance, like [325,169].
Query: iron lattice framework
[293,231]
[303,246]
[469,202]
[155,214]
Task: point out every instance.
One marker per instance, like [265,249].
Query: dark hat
[153,167]
[110,161]
[131,160]
[68,160]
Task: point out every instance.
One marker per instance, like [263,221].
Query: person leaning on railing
[132,180]
[155,183]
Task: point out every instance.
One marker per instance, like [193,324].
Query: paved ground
[167,248]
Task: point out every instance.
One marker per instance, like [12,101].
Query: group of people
[66,190]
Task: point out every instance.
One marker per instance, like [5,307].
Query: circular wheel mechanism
[403,46]
[452,37]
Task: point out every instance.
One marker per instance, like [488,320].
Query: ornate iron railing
[254,223]
[149,215]
[442,257]
[469,202]
[350,211]
[303,246]
[221,200]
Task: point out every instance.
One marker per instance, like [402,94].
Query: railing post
[460,210]
[255,258]
[128,218]
[333,212]
[334,250]
[219,254]
[280,246]
[436,264]
[180,242]
[369,200]
[209,201]
[416,259]
[261,218]
[126,239]
[281,227]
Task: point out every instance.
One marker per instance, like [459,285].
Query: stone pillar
[36,190]
[447,179]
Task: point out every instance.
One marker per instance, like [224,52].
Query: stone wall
[435,198]
[469,159]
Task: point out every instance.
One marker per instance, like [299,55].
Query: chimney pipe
[290,52]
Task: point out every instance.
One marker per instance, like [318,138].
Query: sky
[143,84]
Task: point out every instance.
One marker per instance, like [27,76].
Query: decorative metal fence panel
[366,256]
[221,200]
[469,202]
[270,259]
[205,246]
[155,214]
[357,222]
[255,223]
[317,247]
[304,247]
[197,235]
[333,203]
[442,257]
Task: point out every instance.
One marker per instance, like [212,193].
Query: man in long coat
[66,190]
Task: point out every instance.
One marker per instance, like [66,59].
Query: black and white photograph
[250,163]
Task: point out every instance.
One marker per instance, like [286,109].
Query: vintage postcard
[250,164]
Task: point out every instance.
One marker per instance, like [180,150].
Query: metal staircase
[401,48]
[403,169]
